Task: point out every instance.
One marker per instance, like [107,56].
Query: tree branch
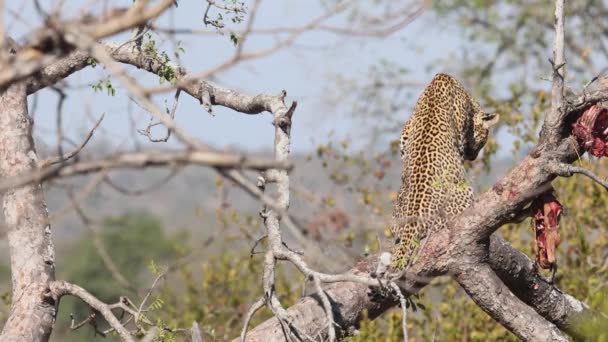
[350,299]
[567,170]
[492,296]
[140,160]
[518,273]
[48,44]
[555,117]
[62,288]
[67,156]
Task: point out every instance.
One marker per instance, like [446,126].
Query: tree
[500,279]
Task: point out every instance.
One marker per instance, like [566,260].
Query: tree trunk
[28,230]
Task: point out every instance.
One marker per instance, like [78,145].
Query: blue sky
[305,70]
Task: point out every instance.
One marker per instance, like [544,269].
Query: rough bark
[349,301]
[492,296]
[29,232]
[517,271]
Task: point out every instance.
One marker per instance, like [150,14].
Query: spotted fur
[447,127]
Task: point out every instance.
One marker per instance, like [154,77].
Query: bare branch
[61,288]
[142,160]
[349,300]
[556,115]
[252,310]
[403,304]
[195,332]
[147,188]
[171,114]
[567,170]
[328,310]
[65,157]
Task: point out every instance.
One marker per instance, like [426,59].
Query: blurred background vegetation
[198,231]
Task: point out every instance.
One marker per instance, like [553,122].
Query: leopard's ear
[490,119]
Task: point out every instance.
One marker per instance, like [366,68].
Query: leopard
[447,127]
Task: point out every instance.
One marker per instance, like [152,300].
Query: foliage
[104,84]
[501,38]
[217,293]
[132,241]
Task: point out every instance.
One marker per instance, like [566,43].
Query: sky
[306,71]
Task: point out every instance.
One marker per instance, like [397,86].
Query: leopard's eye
[488,116]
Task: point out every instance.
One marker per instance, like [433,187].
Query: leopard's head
[482,122]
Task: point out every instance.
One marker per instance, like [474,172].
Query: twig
[403,303]
[59,116]
[255,244]
[143,302]
[328,309]
[195,332]
[147,188]
[75,326]
[171,113]
[252,310]
[65,157]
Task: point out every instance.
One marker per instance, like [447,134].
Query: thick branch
[493,297]
[151,62]
[57,71]
[517,271]
[349,300]
[48,44]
